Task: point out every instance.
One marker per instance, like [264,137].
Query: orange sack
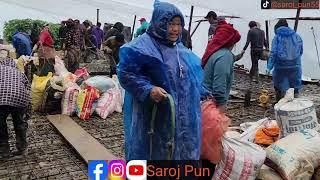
[214,125]
[267,136]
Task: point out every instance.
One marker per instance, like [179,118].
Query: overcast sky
[124,11]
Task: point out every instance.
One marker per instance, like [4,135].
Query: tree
[25,25]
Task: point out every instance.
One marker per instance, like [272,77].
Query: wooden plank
[86,145]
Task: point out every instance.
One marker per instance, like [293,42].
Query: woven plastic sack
[294,114]
[109,103]
[251,129]
[214,125]
[82,73]
[59,67]
[38,88]
[102,83]
[267,173]
[116,80]
[241,160]
[69,100]
[295,156]
[85,102]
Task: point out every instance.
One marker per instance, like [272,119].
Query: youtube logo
[137,170]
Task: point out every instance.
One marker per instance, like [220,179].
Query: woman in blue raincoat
[285,60]
[151,67]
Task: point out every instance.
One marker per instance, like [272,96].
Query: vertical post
[297,18]
[97,15]
[190,21]
[267,33]
[134,24]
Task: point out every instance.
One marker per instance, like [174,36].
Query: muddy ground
[51,157]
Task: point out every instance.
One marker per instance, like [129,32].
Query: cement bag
[241,160]
[102,83]
[214,126]
[85,102]
[69,100]
[109,103]
[295,156]
[38,88]
[59,67]
[267,173]
[294,114]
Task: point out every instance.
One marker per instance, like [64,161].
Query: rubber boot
[4,150]
[21,142]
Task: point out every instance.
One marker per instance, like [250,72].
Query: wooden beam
[267,33]
[303,18]
[195,29]
[190,20]
[86,145]
[134,24]
[297,17]
[97,16]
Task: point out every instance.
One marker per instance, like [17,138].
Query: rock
[43,164]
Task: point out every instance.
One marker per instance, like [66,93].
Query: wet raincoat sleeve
[130,75]
[272,58]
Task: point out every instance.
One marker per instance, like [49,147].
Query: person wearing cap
[143,28]
[285,60]
[255,37]
[213,21]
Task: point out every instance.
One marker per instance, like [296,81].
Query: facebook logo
[265,4]
[98,170]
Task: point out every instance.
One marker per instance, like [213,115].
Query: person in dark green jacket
[143,28]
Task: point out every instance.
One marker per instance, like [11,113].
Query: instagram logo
[117,169]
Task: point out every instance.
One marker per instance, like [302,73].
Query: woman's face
[174,29]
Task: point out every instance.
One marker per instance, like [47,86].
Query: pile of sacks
[285,148]
[82,95]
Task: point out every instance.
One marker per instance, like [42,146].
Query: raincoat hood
[285,31]
[162,15]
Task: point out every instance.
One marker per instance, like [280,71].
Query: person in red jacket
[46,51]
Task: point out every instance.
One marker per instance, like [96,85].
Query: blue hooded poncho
[285,59]
[150,61]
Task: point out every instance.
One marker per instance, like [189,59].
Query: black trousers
[255,57]
[20,127]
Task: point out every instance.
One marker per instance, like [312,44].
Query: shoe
[22,152]
[4,155]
